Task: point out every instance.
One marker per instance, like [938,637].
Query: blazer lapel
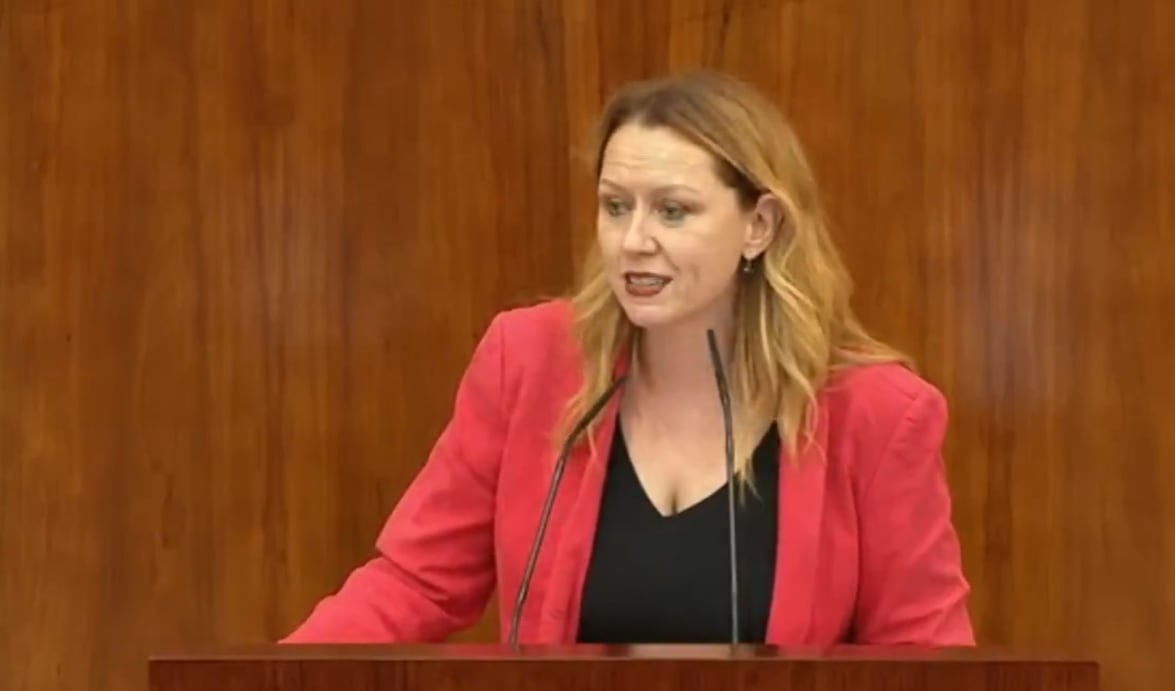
[560,611]
[801,506]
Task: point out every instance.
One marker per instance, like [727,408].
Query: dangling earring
[748,267]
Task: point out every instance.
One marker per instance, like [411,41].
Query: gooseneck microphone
[552,492]
[728,433]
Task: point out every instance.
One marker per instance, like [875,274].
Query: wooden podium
[607,668]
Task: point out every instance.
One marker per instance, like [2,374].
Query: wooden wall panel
[247,247]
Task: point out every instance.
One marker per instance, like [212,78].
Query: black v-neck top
[666,579]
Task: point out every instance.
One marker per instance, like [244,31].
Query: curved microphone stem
[728,428]
[549,504]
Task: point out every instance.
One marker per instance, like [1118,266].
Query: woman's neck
[675,360]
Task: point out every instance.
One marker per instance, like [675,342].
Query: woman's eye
[613,206]
[674,213]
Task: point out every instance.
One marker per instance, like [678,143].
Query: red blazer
[867,552]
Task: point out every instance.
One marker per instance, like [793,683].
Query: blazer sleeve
[434,569]
[912,587]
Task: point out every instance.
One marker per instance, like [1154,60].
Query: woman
[708,219]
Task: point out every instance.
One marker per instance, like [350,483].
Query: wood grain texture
[702,668]
[246,249]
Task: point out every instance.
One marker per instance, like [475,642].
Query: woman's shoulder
[535,339]
[880,405]
[884,384]
[536,324]
[538,333]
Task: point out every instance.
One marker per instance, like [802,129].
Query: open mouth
[644,284]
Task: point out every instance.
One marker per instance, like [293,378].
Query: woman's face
[672,235]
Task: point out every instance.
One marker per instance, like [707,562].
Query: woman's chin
[648,314]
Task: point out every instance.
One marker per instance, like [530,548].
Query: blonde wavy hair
[794,324]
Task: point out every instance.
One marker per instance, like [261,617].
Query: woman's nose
[636,236]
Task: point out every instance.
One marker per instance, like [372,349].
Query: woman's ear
[765,220]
